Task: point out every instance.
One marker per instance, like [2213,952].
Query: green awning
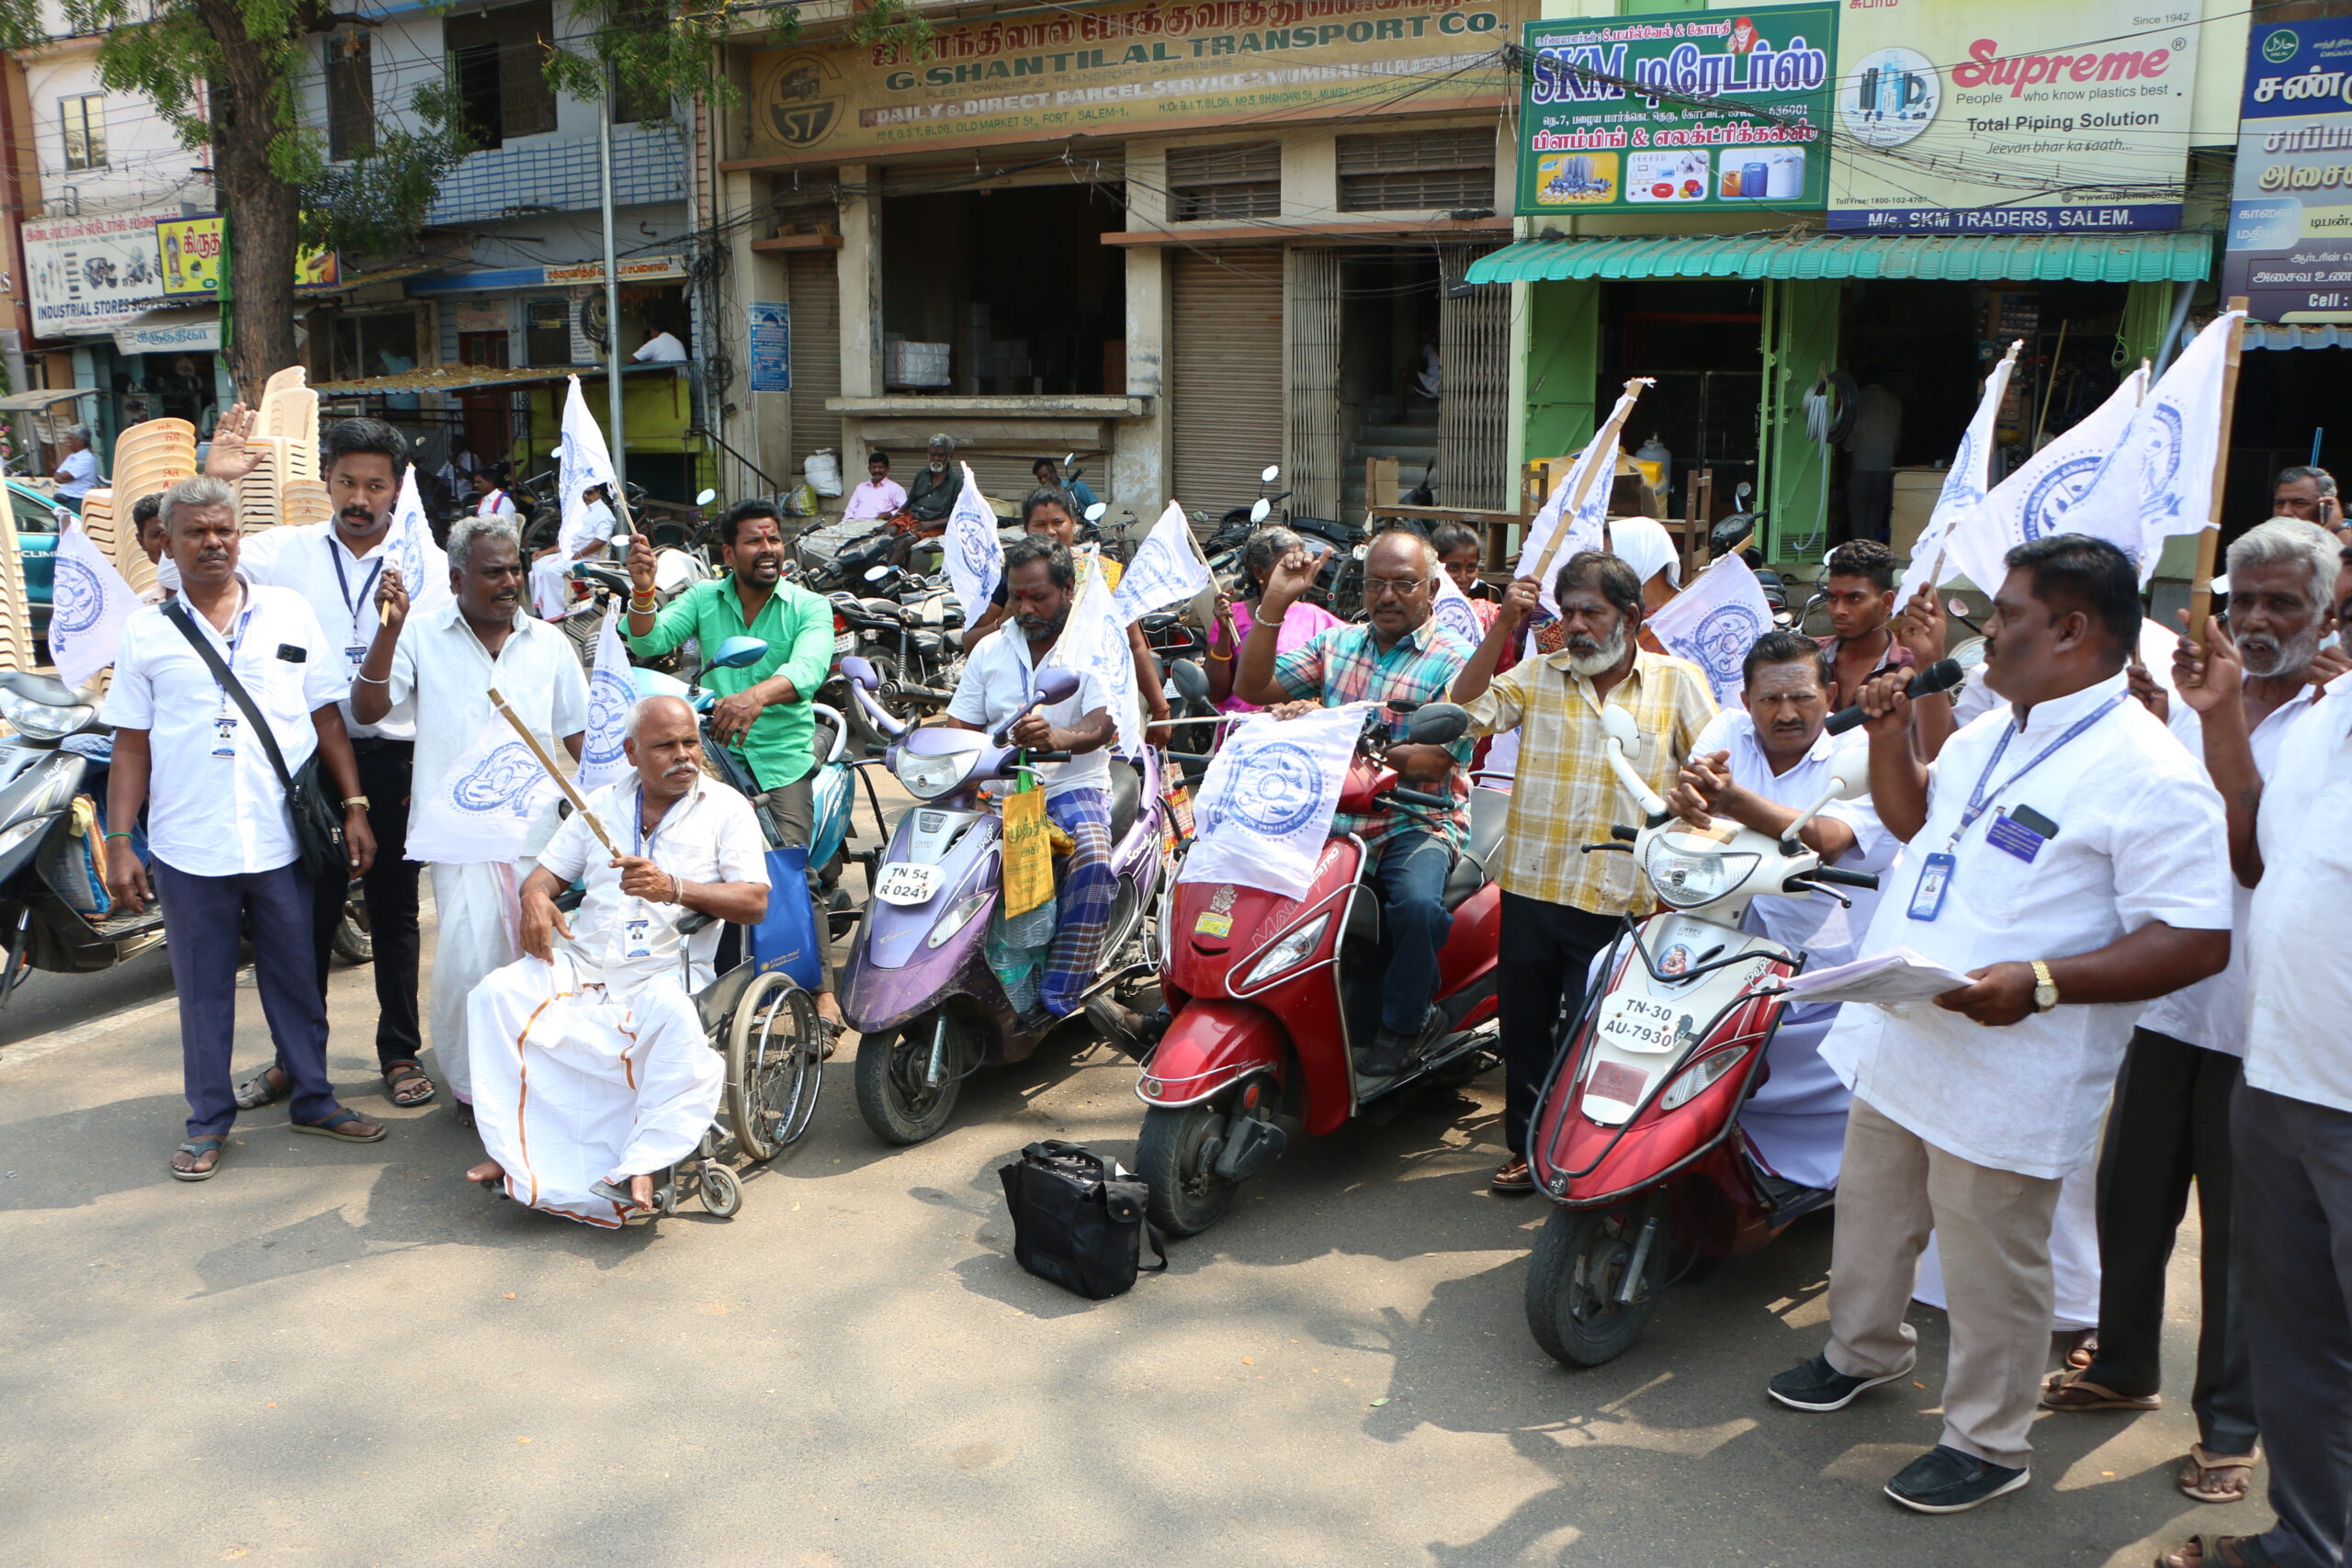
[1951,258]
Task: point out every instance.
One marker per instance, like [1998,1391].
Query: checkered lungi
[1089,888]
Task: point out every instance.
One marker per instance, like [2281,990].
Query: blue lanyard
[1980,798]
[343,583]
[235,638]
[641,841]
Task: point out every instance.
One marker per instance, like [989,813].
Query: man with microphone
[2067,856]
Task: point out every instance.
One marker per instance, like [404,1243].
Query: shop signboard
[2290,208]
[770,346]
[194,259]
[1682,111]
[2034,117]
[90,275]
[1128,67]
[632,270]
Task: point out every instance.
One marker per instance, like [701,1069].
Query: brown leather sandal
[2209,1478]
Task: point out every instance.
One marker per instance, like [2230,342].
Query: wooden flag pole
[1617,418]
[2209,538]
[571,792]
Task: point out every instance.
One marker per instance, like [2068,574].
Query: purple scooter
[918,986]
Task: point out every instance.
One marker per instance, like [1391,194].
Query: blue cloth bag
[788,939]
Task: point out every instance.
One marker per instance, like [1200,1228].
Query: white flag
[424,569]
[612,691]
[88,603]
[1166,570]
[1455,611]
[1094,642]
[1266,801]
[1585,527]
[2050,494]
[583,462]
[1714,622]
[481,811]
[2159,480]
[1967,479]
[975,555]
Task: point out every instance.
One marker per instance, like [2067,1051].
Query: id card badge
[1935,881]
[638,940]
[224,734]
[354,654]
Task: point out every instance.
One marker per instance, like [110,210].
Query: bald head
[664,744]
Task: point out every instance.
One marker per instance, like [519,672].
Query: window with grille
[1237,180]
[497,65]
[351,95]
[85,130]
[1417,169]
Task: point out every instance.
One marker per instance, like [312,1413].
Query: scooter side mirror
[1260,510]
[1619,726]
[736,653]
[1056,686]
[705,498]
[1190,681]
[877,573]
[1272,472]
[861,672]
[1437,724]
[1094,513]
[1849,774]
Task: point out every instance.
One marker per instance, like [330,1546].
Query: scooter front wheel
[1577,1276]
[1176,1154]
[903,1095]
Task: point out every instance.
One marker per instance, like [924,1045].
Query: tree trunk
[263,211]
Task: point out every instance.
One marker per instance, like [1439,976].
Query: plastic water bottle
[1016,950]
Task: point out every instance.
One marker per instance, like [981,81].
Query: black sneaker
[1945,1481]
[1388,1055]
[1817,1385]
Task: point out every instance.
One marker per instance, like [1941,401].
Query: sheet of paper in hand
[1896,975]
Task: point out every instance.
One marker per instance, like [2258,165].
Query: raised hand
[1885,702]
[392,598]
[640,563]
[1520,600]
[232,456]
[1292,576]
[2205,676]
[1921,627]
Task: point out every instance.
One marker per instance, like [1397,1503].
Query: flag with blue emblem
[583,461]
[1964,482]
[2158,481]
[88,603]
[1714,622]
[2051,492]
[1455,612]
[1094,642]
[413,549]
[1265,804]
[481,809]
[1168,568]
[612,693]
[975,555]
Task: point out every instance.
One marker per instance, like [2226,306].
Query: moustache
[683,771]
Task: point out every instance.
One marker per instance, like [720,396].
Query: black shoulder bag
[1077,1219]
[318,822]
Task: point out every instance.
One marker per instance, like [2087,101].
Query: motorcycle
[1636,1135]
[918,983]
[1266,997]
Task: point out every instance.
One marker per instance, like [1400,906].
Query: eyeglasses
[1376,587]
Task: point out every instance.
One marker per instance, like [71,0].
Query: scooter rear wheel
[893,1095]
[1574,1277]
[1174,1154]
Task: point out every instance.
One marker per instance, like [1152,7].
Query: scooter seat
[1469,874]
[1490,808]
[1126,797]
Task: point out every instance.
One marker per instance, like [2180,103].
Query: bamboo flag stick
[571,792]
[2209,538]
[1617,418]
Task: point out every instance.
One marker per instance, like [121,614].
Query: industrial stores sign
[1678,111]
[2291,211]
[1135,66]
[2012,116]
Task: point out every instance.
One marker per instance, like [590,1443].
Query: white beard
[1590,664]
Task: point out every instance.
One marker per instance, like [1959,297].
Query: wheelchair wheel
[775,1065]
[722,1194]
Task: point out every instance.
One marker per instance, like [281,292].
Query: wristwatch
[2045,989]
[360,801]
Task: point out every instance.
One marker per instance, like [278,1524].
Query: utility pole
[614,436]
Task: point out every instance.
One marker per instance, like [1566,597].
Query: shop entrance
[1703,343]
[1392,376]
[2289,402]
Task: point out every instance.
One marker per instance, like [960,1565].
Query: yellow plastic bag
[1028,852]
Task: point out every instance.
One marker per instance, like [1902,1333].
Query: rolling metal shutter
[815,296]
[1474,417]
[1224,389]
[1311,368]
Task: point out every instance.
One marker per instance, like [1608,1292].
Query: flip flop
[214,1143]
[2200,1467]
[2222,1552]
[256,1092]
[329,1128]
[2069,1390]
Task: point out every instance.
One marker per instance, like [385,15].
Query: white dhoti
[550,586]
[579,1084]
[477,928]
[2074,1256]
[1797,1118]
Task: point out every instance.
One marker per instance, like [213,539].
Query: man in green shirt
[763,709]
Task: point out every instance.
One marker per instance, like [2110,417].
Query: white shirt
[711,835]
[2211,1014]
[304,559]
[81,471]
[1816,924]
[497,504]
[998,681]
[2139,839]
[2299,943]
[662,348]
[443,674]
[1643,544]
[213,816]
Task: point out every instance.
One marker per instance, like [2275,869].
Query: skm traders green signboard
[1684,110]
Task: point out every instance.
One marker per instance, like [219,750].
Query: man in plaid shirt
[1560,905]
[1400,653]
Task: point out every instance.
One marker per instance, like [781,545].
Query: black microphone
[1940,676]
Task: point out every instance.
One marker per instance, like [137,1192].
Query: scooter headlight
[927,778]
[957,918]
[1290,952]
[42,721]
[1683,880]
[1700,1075]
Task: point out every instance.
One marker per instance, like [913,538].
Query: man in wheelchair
[593,1070]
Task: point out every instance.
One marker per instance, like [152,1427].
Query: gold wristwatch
[360,801]
[2045,989]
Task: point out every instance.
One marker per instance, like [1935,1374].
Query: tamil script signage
[2290,210]
[194,252]
[771,346]
[1126,68]
[88,275]
[632,270]
[1679,111]
[2012,116]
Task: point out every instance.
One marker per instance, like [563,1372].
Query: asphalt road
[343,1355]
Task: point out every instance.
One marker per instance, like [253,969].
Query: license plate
[1635,1022]
[844,644]
[905,883]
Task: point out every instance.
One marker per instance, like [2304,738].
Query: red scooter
[1266,996]
[1636,1133]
